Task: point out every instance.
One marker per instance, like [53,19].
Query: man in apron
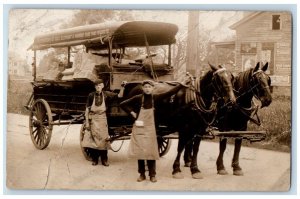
[143,142]
[95,138]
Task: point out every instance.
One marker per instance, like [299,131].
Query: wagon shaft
[252,136]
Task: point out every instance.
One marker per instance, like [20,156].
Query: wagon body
[61,99]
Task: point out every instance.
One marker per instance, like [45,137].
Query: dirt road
[62,166]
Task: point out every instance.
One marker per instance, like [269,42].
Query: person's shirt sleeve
[110,95]
[128,105]
[89,100]
[169,93]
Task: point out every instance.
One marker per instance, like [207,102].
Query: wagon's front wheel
[84,150]
[40,124]
[164,145]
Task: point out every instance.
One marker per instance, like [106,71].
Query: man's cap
[98,81]
[150,82]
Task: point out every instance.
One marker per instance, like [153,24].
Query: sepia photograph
[149,100]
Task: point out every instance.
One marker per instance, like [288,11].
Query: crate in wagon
[84,65]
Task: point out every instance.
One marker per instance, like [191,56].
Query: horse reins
[253,108]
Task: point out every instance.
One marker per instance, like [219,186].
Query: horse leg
[237,170]
[220,165]
[188,154]
[176,165]
[196,173]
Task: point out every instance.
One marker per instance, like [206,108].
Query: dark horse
[188,118]
[251,83]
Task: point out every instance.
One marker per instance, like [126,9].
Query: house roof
[225,44]
[244,20]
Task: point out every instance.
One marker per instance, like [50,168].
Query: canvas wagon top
[97,36]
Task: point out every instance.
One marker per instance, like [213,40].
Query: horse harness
[193,96]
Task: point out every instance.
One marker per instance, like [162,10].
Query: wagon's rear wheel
[40,124]
[84,150]
[164,145]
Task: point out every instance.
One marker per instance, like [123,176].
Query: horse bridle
[216,85]
[253,108]
[254,88]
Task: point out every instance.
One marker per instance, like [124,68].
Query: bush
[19,92]
[276,120]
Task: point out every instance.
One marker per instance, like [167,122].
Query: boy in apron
[94,139]
[143,142]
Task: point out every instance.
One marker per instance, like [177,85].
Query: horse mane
[242,80]
[206,79]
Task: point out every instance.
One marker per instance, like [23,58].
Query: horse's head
[260,82]
[222,83]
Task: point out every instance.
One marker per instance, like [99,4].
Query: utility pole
[192,42]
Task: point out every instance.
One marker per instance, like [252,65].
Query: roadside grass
[276,120]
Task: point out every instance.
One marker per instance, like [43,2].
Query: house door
[267,55]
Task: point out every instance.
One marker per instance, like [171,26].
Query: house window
[276,22]
[248,48]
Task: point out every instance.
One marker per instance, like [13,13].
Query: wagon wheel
[84,150]
[40,124]
[164,145]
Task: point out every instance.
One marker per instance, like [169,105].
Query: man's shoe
[105,163]
[95,163]
[141,178]
[153,179]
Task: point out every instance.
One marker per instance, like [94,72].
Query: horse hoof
[238,173]
[197,175]
[187,164]
[178,175]
[222,172]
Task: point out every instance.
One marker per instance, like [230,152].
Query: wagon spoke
[39,141]
[164,143]
[34,112]
[33,132]
[45,118]
[43,135]
[45,123]
[38,111]
[46,128]
[41,111]
[36,136]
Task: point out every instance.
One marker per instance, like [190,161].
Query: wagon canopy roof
[124,34]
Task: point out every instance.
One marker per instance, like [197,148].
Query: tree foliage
[85,17]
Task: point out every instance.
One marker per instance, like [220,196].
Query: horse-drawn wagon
[117,52]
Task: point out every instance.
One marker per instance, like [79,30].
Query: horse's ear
[212,66]
[265,67]
[256,67]
[220,66]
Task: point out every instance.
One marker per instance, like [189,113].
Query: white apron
[143,142]
[96,138]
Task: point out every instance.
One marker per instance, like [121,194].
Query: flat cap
[150,82]
[98,81]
